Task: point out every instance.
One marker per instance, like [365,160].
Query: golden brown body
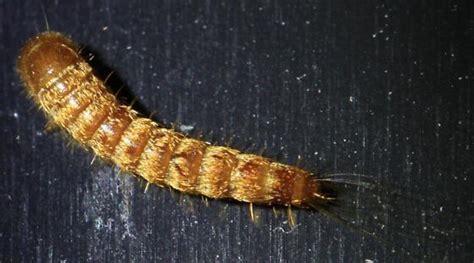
[63,84]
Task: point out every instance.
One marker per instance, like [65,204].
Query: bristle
[367,206]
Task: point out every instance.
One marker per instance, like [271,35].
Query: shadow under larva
[64,85]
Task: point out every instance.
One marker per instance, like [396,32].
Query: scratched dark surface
[383,89]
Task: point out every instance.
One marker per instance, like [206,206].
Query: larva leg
[152,114]
[146,187]
[130,107]
[93,159]
[50,127]
[206,201]
[261,151]
[108,76]
[252,216]
[299,161]
[291,218]
[275,212]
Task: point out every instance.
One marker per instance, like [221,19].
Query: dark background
[382,88]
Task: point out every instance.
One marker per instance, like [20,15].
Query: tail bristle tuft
[376,209]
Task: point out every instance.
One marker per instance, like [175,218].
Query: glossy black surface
[383,89]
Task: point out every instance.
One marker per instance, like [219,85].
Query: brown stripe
[53,96]
[157,154]
[247,179]
[216,168]
[132,143]
[184,165]
[299,191]
[108,134]
[91,118]
[284,179]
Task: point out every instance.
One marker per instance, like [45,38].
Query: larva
[64,86]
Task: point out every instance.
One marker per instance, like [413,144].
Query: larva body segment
[64,85]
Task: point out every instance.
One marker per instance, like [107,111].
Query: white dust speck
[186,128]
[301,77]
[98,223]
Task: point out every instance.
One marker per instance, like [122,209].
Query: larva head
[43,58]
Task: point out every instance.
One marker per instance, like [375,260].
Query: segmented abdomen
[63,84]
